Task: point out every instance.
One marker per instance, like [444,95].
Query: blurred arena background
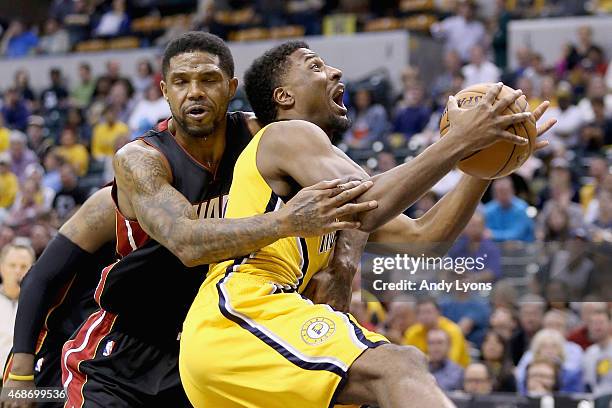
[80,78]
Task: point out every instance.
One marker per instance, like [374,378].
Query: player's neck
[292,115]
[208,150]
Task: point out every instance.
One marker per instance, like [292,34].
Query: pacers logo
[316,331]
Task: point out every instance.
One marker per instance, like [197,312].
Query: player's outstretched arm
[313,157]
[143,180]
[68,253]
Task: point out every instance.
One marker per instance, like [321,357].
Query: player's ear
[283,97]
[164,89]
[233,85]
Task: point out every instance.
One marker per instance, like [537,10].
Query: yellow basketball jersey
[288,262]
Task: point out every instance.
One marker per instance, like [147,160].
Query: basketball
[503,157]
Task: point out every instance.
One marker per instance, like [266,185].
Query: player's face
[198,92]
[317,90]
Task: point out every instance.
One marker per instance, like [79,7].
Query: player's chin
[340,122]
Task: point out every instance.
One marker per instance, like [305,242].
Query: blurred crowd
[530,336]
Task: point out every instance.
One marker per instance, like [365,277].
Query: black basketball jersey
[149,289]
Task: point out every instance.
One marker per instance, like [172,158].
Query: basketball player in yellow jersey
[250,339]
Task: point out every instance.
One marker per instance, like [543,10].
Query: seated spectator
[601,228]
[444,81]
[429,318]
[569,118]
[506,214]
[477,380]
[401,315]
[5,135]
[558,320]
[55,97]
[40,235]
[144,78]
[531,314]
[558,296]
[82,93]
[36,172]
[108,174]
[525,84]
[147,112]
[598,171]
[55,40]
[448,374]
[15,261]
[495,354]
[22,85]
[17,40]
[468,310]
[358,309]
[598,357]
[52,163]
[70,196]
[570,271]
[77,21]
[479,70]
[414,115]
[502,323]
[596,89]
[105,133]
[14,110]
[21,156]
[73,152]
[9,184]
[76,121]
[120,99]
[473,244]
[35,133]
[369,121]
[581,50]
[114,22]
[549,344]
[306,13]
[461,31]
[542,378]
[596,135]
[580,335]
[28,206]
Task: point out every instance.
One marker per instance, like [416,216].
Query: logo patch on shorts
[317,330]
[108,348]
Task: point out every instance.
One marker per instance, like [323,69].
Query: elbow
[185,254]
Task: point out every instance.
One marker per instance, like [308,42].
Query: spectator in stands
[39,237]
[569,118]
[429,318]
[525,84]
[581,50]
[531,314]
[120,98]
[28,206]
[60,9]
[36,136]
[461,31]
[21,155]
[598,357]
[468,310]
[479,70]
[558,296]
[502,323]
[596,134]
[401,315]
[82,93]
[499,40]
[601,228]
[55,40]
[77,21]
[580,335]
[506,215]
[548,90]
[52,163]
[5,135]
[477,380]
[452,67]
[73,152]
[558,320]
[114,22]
[598,171]
[358,309]
[105,133]
[369,121]
[571,270]
[424,204]
[14,110]
[560,189]
[147,112]
[448,374]
[414,115]
[549,344]
[70,196]
[306,13]
[144,78]
[55,97]
[596,90]
[495,354]
[385,161]
[554,224]
[542,378]
[22,85]
[109,172]
[36,172]
[17,40]
[474,244]
[76,121]
[9,184]
[15,261]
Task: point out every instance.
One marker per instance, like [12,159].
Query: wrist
[23,364]
[454,148]
[284,228]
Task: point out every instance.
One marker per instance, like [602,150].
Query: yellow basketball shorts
[246,344]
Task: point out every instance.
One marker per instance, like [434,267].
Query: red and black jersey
[149,289]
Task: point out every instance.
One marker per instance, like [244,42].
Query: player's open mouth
[337,98]
[196,112]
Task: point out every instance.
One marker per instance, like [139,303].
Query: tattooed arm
[68,253]
[145,193]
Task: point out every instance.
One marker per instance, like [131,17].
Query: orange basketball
[501,158]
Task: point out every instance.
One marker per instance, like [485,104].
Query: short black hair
[265,75]
[199,41]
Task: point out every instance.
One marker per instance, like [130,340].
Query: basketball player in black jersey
[299,98]
[170,191]
[57,295]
